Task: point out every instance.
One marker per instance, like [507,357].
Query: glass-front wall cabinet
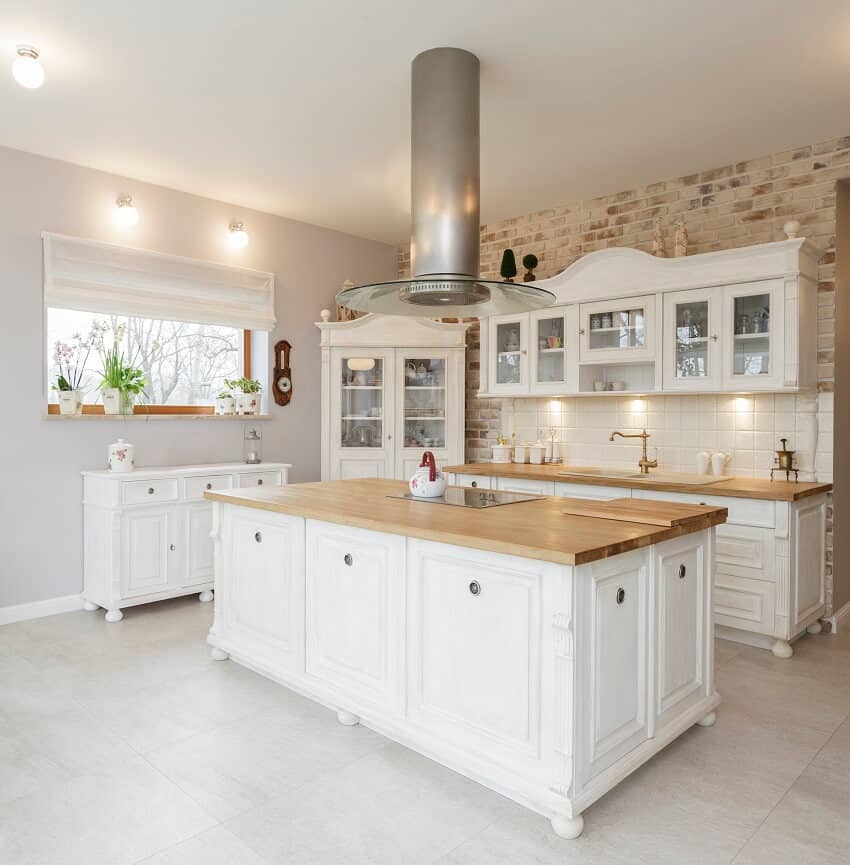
[424,405]
[361,402]
[550,339]
[691,339]
[613,331]
[753,329]
[509,353]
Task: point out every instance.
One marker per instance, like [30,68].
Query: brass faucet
[645,463]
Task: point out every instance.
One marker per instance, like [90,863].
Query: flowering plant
[121,374]
[71,362]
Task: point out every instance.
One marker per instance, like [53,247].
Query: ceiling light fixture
[126,214]
[238,237]
[27,69]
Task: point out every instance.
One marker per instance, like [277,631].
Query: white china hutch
[392,387]
[733,321]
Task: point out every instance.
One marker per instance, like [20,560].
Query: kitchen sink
[684,478]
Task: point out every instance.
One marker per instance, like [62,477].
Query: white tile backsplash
[748,427]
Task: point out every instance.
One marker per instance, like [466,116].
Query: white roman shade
[106,278]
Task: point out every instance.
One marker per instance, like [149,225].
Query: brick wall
[723,207]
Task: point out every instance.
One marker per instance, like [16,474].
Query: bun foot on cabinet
[782,649]
[206,596]
[113,615]
[347,719]
[709,720]
[90,606]
[568,827]
[218,654]
[814,628]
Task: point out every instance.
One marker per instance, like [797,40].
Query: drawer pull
[151,491]
[209,486]
[474,484]
[682,571]
[475,588]
[259,482]
[621,595]
[258,537]
[348,559]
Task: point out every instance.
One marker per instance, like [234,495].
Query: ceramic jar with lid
[121,456]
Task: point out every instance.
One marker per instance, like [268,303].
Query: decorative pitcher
[427,482]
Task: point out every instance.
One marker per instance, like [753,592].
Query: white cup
[719,461]
[521,453]
[703,462]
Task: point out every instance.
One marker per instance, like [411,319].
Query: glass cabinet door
[618,330]
[424,406]
[751,321]
[549,351]
[361,402]
[508,368]
[691,339]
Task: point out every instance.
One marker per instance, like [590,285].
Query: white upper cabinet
[733,321]
[392,388]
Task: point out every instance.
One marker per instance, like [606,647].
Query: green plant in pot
[121,382]
[248,396]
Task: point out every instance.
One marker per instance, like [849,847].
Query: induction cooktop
[465,497]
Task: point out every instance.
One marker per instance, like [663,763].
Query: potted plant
[71,362]
[225,403]
[248,396]
[121,382]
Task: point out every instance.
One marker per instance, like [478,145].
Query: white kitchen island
[545,656]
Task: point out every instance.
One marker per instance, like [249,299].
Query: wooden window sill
[155,416]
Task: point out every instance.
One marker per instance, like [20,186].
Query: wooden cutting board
[642,511]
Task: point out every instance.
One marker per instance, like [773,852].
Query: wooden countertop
[739,488]
[534,529]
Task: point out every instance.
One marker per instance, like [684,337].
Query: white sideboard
[769,571]
[147,532]
[392,387]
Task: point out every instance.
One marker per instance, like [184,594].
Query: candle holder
[252,446]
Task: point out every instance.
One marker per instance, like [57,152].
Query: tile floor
[125,744]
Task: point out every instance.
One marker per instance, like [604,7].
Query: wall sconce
[126,214]
[27,69]
[238,237]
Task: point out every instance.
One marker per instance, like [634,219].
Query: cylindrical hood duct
[445,163]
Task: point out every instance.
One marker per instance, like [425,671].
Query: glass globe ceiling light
[238,237]
[126,214]
[445,237]
[26,68]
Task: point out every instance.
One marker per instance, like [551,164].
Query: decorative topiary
[508,268]
[529,262]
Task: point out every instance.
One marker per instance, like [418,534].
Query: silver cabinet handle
[389,437]
[714,337]
[151,491]
[682,571]
[209,486]
[582,331]
[621,595]
[258,537]
[348,559]
[172,547]
[474,484]
[259,482]
[475,588]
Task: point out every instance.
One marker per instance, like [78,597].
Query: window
[184,364]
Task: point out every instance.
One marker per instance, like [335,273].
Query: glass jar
[252,446]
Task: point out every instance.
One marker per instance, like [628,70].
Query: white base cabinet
[545,682]
[146,533]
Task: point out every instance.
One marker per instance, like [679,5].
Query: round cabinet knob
[151,491]
[390,437]
[475,588]
[621,595]
[259,482]
[258,537]
[348,559]
[714,337]
[209,486]
[172,547]
[474,483]
[682,571]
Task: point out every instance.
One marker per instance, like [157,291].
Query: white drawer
[744,512]
[525,485]
[260,479]
[196,486]
[481,482]
[743,603]
[589,491]
[745,551]
[147,492]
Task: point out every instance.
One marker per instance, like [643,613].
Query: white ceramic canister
[703,462]
[121,456]
[502,453]
[537,453]
[520,453]
[719,461]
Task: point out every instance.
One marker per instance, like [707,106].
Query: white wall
[40,511]
[748,427]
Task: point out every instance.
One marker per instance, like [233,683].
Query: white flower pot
[225,405]
[247,403]
[70,402]
[115,401]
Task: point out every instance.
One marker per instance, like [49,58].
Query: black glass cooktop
[465,497]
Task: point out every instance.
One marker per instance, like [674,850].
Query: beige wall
[723,207]
[40,511]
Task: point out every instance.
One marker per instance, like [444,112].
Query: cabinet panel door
[809,522]
[553,350]
[753,336]
[264,572]
[355,611]
[692,328]
[475,648]
[526,485]
[147,536]
[508,348]
[612,331]
[612,662]
[680,576]
[199,545]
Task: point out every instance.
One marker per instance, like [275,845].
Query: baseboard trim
[40,609]
[840,619]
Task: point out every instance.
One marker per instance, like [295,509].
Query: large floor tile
[216,846]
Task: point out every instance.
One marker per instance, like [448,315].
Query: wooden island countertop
[534,529]
[737,487]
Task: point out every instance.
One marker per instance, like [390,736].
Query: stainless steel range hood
[444,245]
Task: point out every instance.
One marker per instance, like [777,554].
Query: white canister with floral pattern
[121,456]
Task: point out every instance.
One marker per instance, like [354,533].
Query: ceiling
[301,108]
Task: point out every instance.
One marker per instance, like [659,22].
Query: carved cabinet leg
[709,720]
[568,827]
[218,654]
[113,615]
[347,718]
[206,596]
[782,649]
[90,606]
[814,628]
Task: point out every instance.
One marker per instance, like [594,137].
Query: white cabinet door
[362,413]
[681,659]
[753,336]
[691,347]
[148,551]
[809,539]
[355,612]
[526,485]
[198,545]
[553,350]
[264,584]
[475,648]
[589,491]
[613,331]
[508,349]
[612,661]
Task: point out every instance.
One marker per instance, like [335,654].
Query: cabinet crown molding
[375,330]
